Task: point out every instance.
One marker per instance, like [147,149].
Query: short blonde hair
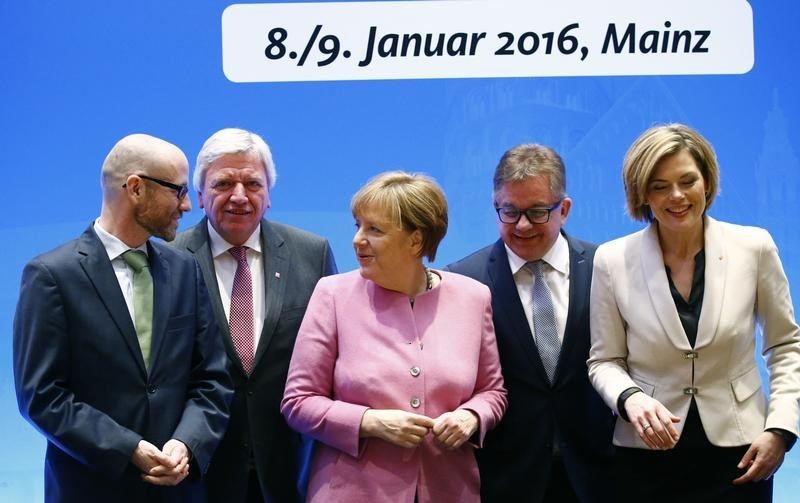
[413,202]
[650,148]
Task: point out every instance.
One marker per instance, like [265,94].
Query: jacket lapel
[276,273]
[508,307]
[580,273]
[715,279]
[162,300]
[98,268]
[655,276]
[198,244]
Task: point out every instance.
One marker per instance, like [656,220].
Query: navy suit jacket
[81,380]
[294,260]
[516,458]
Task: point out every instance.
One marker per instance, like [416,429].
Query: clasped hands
[165,467]
[407,429]
[655,425]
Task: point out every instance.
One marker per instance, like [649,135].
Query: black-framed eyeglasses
[180,190]
[511,215]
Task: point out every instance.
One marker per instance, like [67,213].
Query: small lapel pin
[278,275]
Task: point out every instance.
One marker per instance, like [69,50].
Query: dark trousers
[694,471]
[253,487]
[559,488]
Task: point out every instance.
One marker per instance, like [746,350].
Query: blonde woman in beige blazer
[674,313]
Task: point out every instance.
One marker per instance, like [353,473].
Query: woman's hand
[452,429]
[762,459]
[653,421]
[395,426]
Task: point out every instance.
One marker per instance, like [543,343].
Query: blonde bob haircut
[412,202]
[650,148]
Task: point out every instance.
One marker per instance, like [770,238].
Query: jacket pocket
[180,322]
[746,384]
[649,389]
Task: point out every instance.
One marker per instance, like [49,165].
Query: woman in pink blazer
[674,312]
[395,370]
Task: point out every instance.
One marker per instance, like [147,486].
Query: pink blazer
[361,346]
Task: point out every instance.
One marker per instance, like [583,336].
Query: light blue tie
[544,321]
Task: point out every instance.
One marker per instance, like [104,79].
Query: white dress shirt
[115,248]
[556,274]
[225,267]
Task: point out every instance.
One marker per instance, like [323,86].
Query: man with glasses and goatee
[117,357]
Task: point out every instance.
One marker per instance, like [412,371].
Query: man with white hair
[117,357]
[260,275]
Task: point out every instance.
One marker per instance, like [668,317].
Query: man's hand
[146,456]
[167,467]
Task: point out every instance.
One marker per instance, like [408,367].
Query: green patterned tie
[142,299]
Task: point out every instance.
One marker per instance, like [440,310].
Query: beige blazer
[638,340]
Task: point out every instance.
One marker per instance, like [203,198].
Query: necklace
[428,284]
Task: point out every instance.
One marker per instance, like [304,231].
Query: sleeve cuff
[788,437]
[621,401]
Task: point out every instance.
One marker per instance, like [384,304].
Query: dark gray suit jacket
[516,458]
[294,260]
[81,378]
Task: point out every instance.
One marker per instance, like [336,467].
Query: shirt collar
[220,246]
[557,256]
[113,245]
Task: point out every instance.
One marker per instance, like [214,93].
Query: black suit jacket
[81,380]
[516,458]
[293,262]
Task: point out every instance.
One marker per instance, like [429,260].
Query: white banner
[484,38]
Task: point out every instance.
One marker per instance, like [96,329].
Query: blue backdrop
[77,76]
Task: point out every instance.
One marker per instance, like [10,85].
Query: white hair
[232,141]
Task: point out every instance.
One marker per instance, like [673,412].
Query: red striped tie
[241,316]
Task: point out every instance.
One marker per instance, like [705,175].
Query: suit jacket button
[151,389]
[249,392]
[415,371]
[415,402]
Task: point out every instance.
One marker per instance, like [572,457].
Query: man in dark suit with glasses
[554,443]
